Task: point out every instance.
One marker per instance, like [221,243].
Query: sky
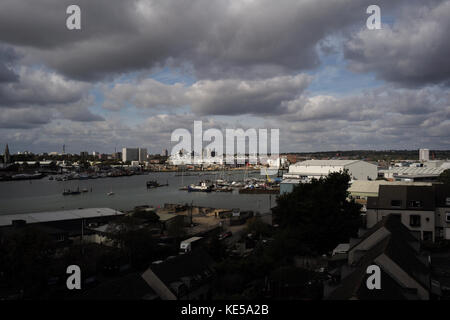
[139,69]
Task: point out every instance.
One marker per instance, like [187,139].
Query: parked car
[225,235]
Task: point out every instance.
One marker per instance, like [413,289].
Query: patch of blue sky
[333,77]
[171,76]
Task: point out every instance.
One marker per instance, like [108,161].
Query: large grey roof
[326,162]
[39,217]
[415,170]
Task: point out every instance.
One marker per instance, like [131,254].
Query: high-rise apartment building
[424,154]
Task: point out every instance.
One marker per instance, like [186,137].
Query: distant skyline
[140,69]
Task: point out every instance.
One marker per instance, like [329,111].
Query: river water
[46,195]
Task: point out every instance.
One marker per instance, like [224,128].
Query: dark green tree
[26,255]
[316,216]
[134,240]
[444,177]
[148,216]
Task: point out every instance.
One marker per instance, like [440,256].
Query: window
[415,204]
[396,203]
[414,220]
[447,201]
[447,217]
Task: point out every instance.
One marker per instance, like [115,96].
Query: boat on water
[202,187]
[223,189]
[155,184]
[68,192]
[274,190]
[110,193]
[26,176]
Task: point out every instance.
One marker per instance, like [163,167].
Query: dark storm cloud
[220,38]
[8,57]
[211,97]
[24,118]
[39,87]
[260,97]
[31,97]
[246,58]
[391,105]
[415,51]
[42,23]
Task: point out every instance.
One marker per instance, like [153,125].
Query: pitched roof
[395,246]
[39,217]
[183,265]
[354,285]
[393,224]
[129,287]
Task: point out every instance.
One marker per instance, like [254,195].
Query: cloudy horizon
[138,69]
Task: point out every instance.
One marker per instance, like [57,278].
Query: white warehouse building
[358,169]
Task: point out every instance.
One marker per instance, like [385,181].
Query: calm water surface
[46,195]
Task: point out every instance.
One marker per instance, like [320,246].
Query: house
[361,190]
[404,270]
[422,208]
[183,277]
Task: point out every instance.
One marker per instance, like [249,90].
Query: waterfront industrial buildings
[358,170]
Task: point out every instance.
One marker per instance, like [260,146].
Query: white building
[358,169]
[422,209]
[184,159]
[424,154]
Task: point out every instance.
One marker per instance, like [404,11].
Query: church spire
[7,156]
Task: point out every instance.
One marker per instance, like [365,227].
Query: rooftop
[373,186]
[414,170]
[40,217]
[325,162]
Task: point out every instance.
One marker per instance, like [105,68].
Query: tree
[444,177]
[148,216]
[135,241]
[26,256]
[176,229]
[216,249]
[316,216]
[257,228]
